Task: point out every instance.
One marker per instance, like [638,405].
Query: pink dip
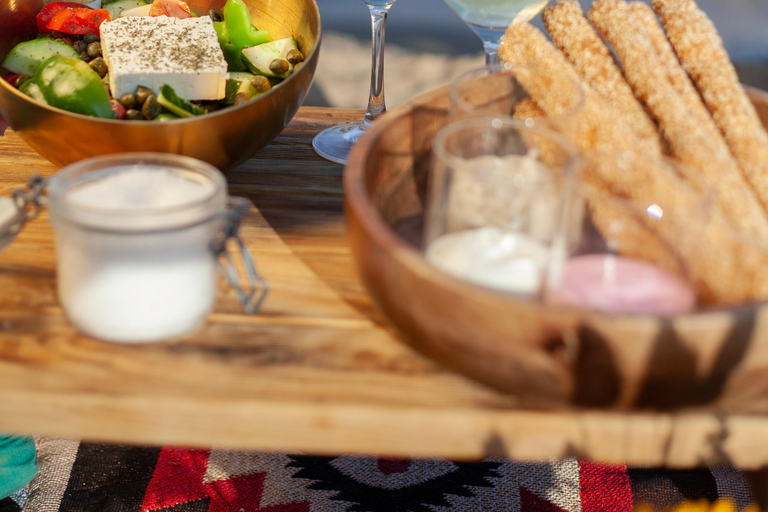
[622,285]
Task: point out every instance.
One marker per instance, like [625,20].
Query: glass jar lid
[137,192]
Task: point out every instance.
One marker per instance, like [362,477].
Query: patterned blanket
[87,477]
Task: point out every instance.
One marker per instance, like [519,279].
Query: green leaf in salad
[179,106]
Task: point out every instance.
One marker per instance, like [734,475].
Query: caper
[128,100]
[261,83]
[214,15]
[294,56]
[20,80]
[80,46]
[59,35]
[151,107]
[133,115]
[94,49]
[85,57]
[99,66]
[91,38]
[279,66]
[142,93]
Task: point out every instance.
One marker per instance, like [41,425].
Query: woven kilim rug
[88,477]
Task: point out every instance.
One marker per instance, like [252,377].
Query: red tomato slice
[78,21]
[96,17]
[170,8]
[117,108]
[49,11]
[11,79]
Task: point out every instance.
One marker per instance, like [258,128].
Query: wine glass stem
[491,53]
[376,105]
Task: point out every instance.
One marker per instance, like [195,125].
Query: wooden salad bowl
[547,356]
[225,138]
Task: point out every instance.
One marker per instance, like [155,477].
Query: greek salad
[134,60]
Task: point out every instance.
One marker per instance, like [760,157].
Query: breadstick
[598,126]
[573,34]
[690,143]
[675,73]
[701,52]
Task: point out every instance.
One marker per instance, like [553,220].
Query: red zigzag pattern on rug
[179,478]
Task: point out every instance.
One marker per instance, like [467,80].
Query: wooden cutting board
[318,370]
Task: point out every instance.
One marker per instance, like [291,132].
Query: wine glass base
[335,142]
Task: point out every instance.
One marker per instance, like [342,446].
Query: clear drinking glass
[334,143]
[500,91]
[495,198]
[635,246]
[489,19]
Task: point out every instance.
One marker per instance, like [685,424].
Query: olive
[151,107]
[91,38]
[20,80]
[99,66]
[80,46]
[128,100]
[142,93]
[214,15]
[133,115]
[261,83]
[279,66]
[94,49]
[85,57]
[241,97]
[294,56]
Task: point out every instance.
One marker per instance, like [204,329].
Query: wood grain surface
[319,370]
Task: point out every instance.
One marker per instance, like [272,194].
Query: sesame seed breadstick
[675,73]
[701,52]
[575,36]
[597,125]
[690,143]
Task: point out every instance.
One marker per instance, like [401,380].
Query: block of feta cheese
[152,51]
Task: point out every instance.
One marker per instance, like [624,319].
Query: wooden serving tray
[319,370]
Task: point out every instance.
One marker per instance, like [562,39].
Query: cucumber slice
[241,75]
[142,10]
[24,58]
[258,58]
[116,7]
[95,4]
[166,116]
[182,108]
[235,83]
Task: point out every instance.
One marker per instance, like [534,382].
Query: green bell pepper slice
[237,32]
[69,84]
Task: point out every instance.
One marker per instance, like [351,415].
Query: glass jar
[138,239]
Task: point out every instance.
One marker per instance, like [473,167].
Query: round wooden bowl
[548,357]
[225,138]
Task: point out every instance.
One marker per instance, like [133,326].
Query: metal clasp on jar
[16,211]
[252,290]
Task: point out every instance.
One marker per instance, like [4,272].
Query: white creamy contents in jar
[511,262]
[137,286]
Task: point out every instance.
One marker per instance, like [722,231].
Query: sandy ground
[343,72]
